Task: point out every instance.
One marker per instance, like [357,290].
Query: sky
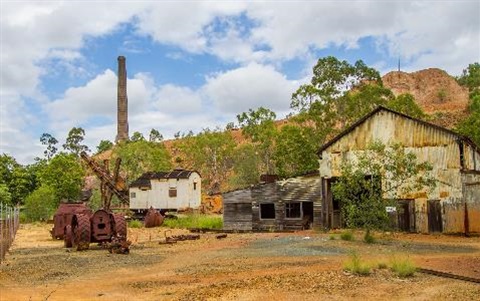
[193,65]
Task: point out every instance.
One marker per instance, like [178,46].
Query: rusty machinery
[63,217]
[102,226]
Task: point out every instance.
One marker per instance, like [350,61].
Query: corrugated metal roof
[381,108]
[144,179]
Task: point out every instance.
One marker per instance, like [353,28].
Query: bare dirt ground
[305,265]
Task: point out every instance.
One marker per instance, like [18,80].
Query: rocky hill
[435,91]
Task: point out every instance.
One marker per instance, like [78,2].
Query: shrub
[403,267]
[347,235]
[40,204]
[135,224]
[332,237]
[195,221]
[368,238]
[356,266]
[382,265]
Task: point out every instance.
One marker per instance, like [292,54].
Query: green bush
[356,266]
[368,237]
[40,204]
[347,235]
[382,265]
[332,237]
[135,224]
[22,217]
[195,221]
[403,267]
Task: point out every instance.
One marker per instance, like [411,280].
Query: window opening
[267,211]
[292,210]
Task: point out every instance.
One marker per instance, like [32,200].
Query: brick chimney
[122,102]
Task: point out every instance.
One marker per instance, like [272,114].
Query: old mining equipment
[63,217]
[102,226]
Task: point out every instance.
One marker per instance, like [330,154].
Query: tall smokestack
[122,102]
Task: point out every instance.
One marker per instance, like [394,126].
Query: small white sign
[391,209]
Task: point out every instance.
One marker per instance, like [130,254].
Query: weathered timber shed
[453,206]
[289,204]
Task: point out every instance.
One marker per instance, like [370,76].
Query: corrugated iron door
[434,211]
[403,214]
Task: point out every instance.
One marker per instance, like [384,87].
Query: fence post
[2,238]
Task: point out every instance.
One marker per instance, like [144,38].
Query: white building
[174,190]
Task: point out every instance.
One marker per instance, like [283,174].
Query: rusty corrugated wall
[450,155]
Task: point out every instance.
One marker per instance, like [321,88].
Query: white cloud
[250,87]
[177,100]
[182,24]
[99,98]
[14,139]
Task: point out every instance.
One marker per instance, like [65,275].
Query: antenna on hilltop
[398,64]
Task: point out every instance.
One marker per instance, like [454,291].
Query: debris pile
[119,245]
[175,238]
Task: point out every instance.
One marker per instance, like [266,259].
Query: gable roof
[144,179]
[382,108]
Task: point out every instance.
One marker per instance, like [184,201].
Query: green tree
[470,126]
[337,94]
[246,161]
[379,174]
[210,153]
[137,136]
[17,178]
[41,204]
[64,174]
[142,156]
[155,136]
[21,185]
[259,126]
[360,101]
[50,142]
[470,78]
[405,103]
[7,165]
[104,145]
[294,154]
[5,196]
[74,140]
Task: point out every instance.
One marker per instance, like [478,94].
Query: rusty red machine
[103,225]
[63,217]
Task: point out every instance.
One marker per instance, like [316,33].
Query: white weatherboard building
[174,190]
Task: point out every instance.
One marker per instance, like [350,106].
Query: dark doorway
[267,211]
[434,211]
[406,215]
[307,209]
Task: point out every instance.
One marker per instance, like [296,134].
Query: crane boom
[115,184]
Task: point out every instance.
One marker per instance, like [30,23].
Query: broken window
[293,210]
[267,211]
[172,192]
[133,195]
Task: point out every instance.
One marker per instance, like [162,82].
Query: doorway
[434,211]
[406,215]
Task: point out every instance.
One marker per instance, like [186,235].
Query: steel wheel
[120,226]
[81,232]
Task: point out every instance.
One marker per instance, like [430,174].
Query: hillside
[435,91]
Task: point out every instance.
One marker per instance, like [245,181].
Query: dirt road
[275,266]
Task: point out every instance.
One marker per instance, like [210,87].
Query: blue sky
[196,64]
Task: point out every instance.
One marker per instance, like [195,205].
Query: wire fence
[9,221]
